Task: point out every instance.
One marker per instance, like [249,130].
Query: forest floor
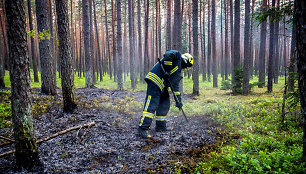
[112,145]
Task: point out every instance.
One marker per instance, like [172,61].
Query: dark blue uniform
[157,98]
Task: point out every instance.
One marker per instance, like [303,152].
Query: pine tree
[25,143]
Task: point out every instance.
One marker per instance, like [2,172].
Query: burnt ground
[112,144]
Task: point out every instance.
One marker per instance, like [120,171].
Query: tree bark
[169,43]
[141,66]
[65,56]
[25,143]
[195,73]
[300,12]
[277,56]
[271,53]
[292,61]
[208,43]
[87,50]
[177,27]
[99,58]
[108,44]
[226,53]
[236,64]
[262,52]
[247,51]
[146,37]
[48,77]
[119,45]
[114,41]
[213,44]
[204,66]
[132,46]
[34,58]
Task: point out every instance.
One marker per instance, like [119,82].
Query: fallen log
[53,136]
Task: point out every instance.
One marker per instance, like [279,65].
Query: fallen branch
[53,136]
[5,138]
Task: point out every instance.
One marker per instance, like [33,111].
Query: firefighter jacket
[172,63]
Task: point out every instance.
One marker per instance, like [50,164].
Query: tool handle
[171,87]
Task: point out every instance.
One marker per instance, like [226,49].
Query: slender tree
[226,51]
[276,50]
[247,51]
[177,27]
[33,54]
[204,67]
[195,74]
[25,143]
[291,68]
[271,53]
[232,36]
[65,55]
[169,12]
[208,42]
[97,38]
[300,12]
[119,45]
[132,46]
[236,64]
[87,50]
[262,52]
[146,35]
[2,54]
[114,40]
[213,44]
[48,77]
[140,42]
[107,40]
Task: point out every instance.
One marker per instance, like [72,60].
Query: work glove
[179,103]
[167,75]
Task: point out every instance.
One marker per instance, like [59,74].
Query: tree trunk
[169,43]
[292,61]
[204,67]
[2,55]
[48,77]
[146,34]
[209,43]
[177,27]
[65,55]
[236,64]
[119,46]
[247,51]
[97,36]
[276,57]
[232,37]
[300,12]
[251,42]
[213,44]
[132,47]
[195,73]
[114,41]
[226,53]
[262,52]
[34,59]
[25,143]
[53,45]
[87,46]
[108,44]
[271,53]
[141,66]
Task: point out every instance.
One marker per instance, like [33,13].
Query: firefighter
[157,99]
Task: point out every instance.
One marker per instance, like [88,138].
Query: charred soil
[112,144]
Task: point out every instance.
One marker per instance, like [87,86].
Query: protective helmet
[187,59]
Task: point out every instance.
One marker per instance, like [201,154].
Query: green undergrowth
[253,137]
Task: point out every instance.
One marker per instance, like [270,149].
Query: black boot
[143,133]
[161,126]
